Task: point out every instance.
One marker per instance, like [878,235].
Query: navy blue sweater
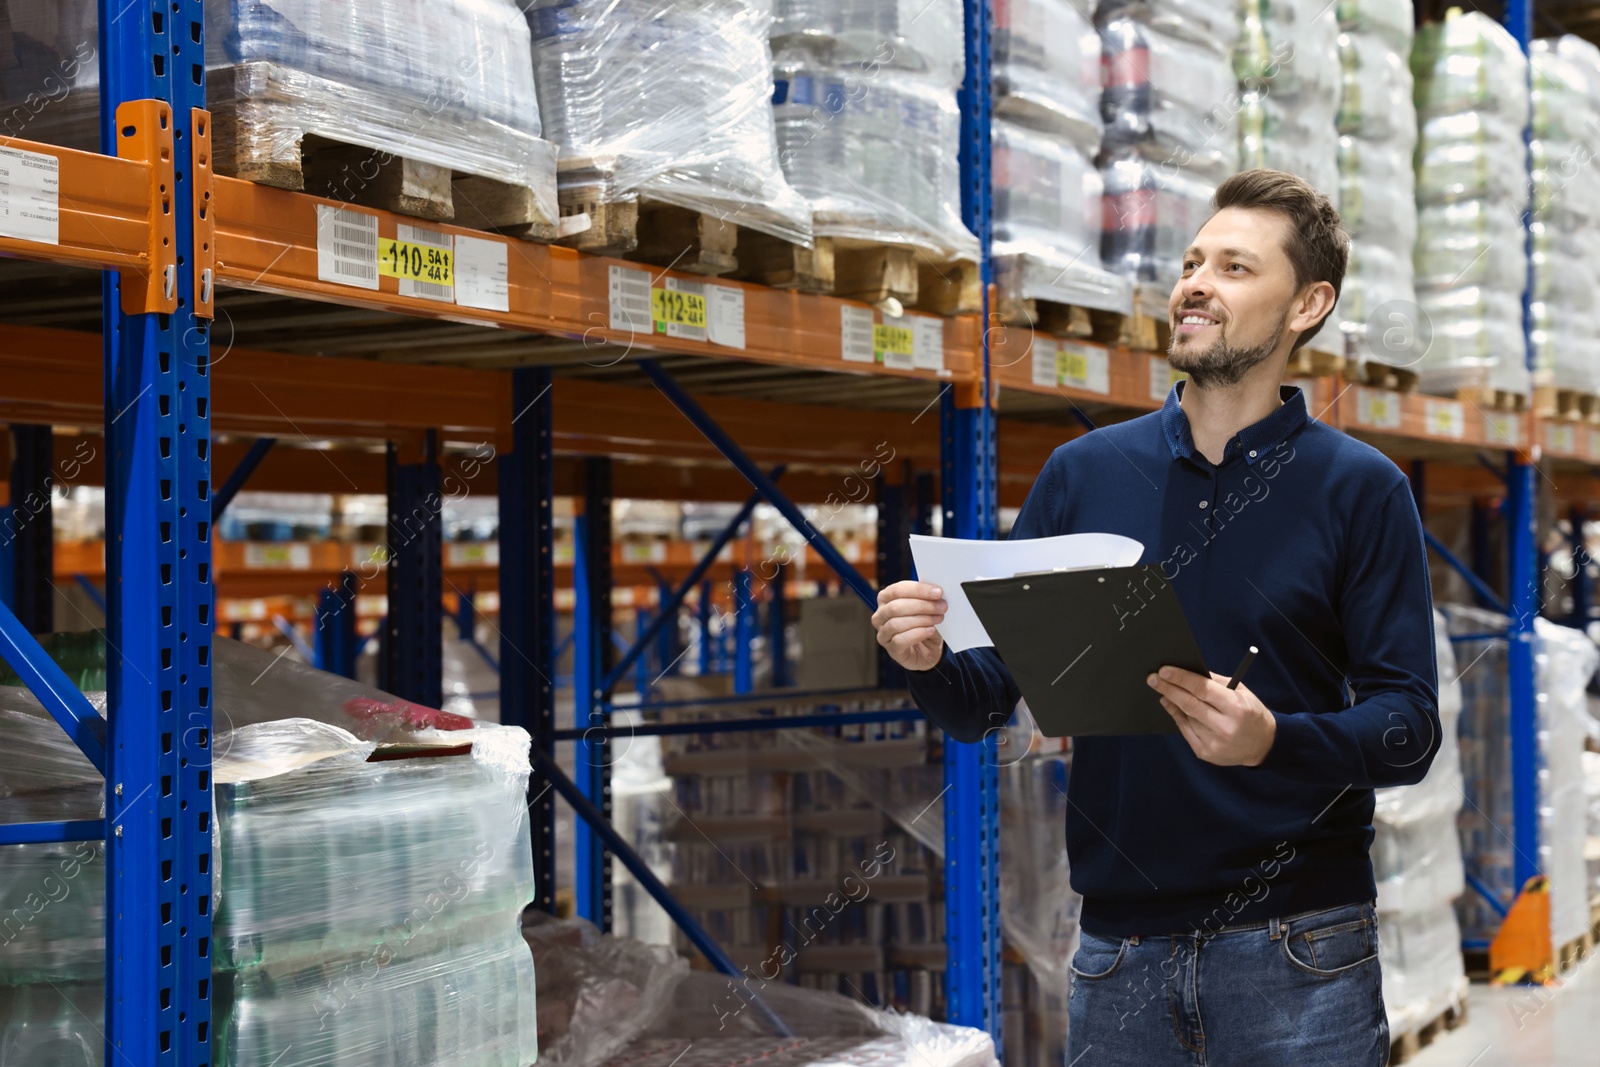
[1304,542]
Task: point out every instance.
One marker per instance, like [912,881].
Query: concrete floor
[1526,1027]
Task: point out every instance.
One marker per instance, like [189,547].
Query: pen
[1244,665]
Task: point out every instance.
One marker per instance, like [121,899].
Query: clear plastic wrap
[1046,60]
[1566,213]
[1048,211]
[1422,972]
[1394,22]
[1472,187]
[1591,794]
[665,100]
[1375,89]
[867,126]
[1152,212]
[1173,99]
[1202,21]
[1564,661]
[1287,61]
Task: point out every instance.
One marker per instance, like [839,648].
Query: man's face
[1231,309]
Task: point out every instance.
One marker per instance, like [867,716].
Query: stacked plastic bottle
[1564,661]
[864,99]
[1377,128]
[364,911]
[1416,860]
[1171,105]
[1566,215]
[1047,129]
[1472,190]
[1287,61]
[665,99]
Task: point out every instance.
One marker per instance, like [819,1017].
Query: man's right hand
[905,620]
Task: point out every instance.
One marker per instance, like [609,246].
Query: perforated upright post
[968,462]
[593,656]
[158,556]
[527,603]
[335,639]
[745,627]
[414,628]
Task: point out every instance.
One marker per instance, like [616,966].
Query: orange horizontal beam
[267,240]
[105,210]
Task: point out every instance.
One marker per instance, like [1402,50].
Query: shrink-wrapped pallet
[868,128]
[665,101]
[1287,61]
[1171,108]
[363,911]
[1472,190]
[1377,129]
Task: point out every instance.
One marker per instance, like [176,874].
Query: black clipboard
[1080,644]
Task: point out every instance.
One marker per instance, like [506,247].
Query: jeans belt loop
[1275,929]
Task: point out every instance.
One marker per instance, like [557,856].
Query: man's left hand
[1228,727]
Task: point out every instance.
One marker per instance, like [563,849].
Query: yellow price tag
[1071,365]
[891,341]
[416,262]
[672,307]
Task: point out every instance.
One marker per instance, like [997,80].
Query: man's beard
[1223,364]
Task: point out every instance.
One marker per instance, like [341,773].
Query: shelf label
[347,247]
[1561,437]
[1044,362]
[289,556]
[1444,418]
[927,342]
[421,259]
[725,316]
[1084,367]
[30,196]
[1502,427]
[678,309]
[856,335]
[644,551]
[893,346]
[483,274]
[1162,378]
[628,291]
[1378,408]
[472,554]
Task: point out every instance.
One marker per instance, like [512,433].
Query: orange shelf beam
[105,211]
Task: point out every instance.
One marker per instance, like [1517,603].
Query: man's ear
[1312,306]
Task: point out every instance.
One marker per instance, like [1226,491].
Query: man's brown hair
[1318,245]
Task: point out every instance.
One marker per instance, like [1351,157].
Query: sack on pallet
[1287,63]
[1564,660]
[668,100]
[1046,63]
[868,128]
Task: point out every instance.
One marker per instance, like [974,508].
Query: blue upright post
[641,666]
[158,557]
[527,602]
[336,627]
[967,454]
[1578,518]
[28,531]
[1523,595]
[414,629]
[667,637]
[592,656]
[744,633]
[703,615]
[777,626]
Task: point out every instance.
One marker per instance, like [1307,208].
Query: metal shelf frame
[150,214]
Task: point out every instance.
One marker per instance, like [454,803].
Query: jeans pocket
[1328,951]
[1097,957]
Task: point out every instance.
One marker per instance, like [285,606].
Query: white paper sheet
[949,561]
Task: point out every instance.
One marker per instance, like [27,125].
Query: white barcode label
[1044,362]
[483,274]
[629,292]
[1444,418]
[347,247]
[30,196]
[855,335]
[1084,367]
[927,342]
[442,289]
[725,308]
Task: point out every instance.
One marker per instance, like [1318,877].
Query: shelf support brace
[241,474]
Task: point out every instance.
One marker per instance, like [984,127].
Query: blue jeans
[1304,989]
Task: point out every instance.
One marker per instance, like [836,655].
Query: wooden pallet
[1552,403]
[247,142]
[1382,376]
[1311,362]
[1405,1046]
[873,272]
[1489,399]
[1575,952]
[1065,320]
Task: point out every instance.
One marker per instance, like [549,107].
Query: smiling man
[1227,892]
